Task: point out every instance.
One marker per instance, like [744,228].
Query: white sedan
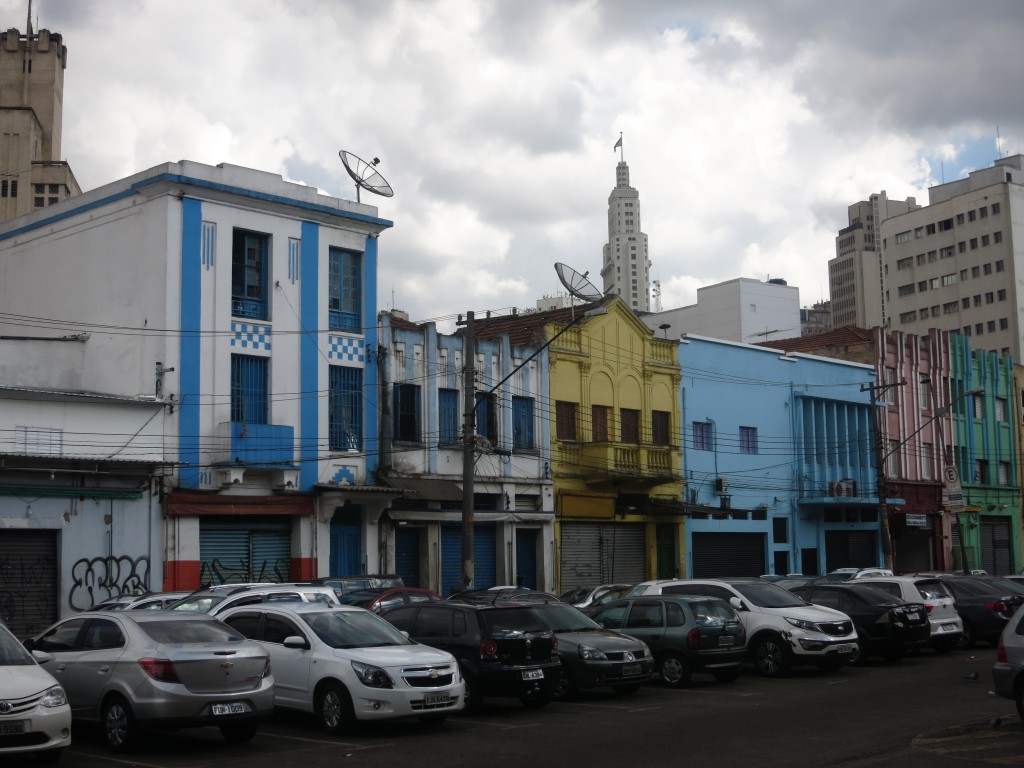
[347,664]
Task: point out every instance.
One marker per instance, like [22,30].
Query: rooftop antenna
[29,21]
[365,175]
[577,284]
[999,145]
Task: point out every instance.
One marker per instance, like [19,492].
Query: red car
[384,599]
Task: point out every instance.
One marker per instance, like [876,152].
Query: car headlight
[372,677]
[54,697]
[590,653]
[647,650]
[810,626]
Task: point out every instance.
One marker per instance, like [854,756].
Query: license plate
[948,628]
[436,699]
[914,616]
[726,640]
[846,648]
[533,674]
[630,669]
[9,729]
[235,708]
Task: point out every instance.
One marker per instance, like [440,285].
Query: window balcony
[598,462]
[264,446]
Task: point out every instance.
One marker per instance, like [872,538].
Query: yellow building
[615,442]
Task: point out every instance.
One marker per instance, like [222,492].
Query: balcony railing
[594,461]
[270,446]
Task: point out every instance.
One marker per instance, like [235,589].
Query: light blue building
[778,455]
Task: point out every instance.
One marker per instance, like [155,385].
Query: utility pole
[880,421]
[468,446]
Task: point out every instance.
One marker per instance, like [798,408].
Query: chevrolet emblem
[227,664]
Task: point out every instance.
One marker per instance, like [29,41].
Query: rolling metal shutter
[850,549]
[601,553]
[728,554]
[995,545]
[526,556]
[231,552]
[484,557]
[29,575]
[407,555]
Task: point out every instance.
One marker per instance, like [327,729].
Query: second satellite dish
[365,175]
[577,284]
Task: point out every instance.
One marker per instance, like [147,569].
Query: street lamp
[469,429]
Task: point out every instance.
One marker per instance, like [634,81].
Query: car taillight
[998,607]
[488,649]
[160,669]
[928,607]
[1001,651]
[693,639]
[266,668]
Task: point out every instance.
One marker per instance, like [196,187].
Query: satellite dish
[577,284]
[365,175]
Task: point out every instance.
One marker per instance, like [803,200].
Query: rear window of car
[513,620]
[189,631]
[933,590]
[712,613]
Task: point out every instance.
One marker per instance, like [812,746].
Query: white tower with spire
[626,268]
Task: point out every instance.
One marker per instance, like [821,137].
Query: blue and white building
[244,306]
[779,461]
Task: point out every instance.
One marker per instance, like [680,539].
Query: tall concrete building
[32,174]
[955,264]
[626,268]
[855,275]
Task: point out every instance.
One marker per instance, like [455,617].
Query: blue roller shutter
[484,557]
[526,556]
[407,555]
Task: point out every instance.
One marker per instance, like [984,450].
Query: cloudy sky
[748,126]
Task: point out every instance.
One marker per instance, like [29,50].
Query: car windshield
[576,595]
[768,595]
[565,618]
[13,653]
[353,629]
[197,603]
[197,631]
[361,597]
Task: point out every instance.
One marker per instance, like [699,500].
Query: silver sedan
[130,670]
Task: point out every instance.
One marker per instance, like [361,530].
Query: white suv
[346,664]
[782,629]
[946,624]
[216,600]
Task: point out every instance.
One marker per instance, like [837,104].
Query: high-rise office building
[626,268]
[855,274]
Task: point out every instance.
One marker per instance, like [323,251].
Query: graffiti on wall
[243,570]
[96,579]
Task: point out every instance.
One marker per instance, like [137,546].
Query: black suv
[503,650]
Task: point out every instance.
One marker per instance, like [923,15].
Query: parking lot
[929,710]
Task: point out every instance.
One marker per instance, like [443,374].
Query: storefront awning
[426,488]
[194,504]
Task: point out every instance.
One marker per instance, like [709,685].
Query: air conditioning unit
[721,485]
[842,488]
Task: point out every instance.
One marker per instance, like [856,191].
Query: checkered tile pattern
[344,476]
[346,349]
[250,336]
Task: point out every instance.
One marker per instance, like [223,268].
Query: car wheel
[240,732]
[969,638]
[771,657]
[860,656]
[727,675]
[334,709]
[565,688]
[49,755]
[625,690]
[434,719]
[674,671]
[118,724]
[473,699]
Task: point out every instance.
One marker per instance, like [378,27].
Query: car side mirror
[294,641]
[29,644]
[736,603]
[41,656]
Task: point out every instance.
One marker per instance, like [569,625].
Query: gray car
[129,670]
[1008,671]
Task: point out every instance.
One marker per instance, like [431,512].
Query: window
[906,263]
[990,297]
[950,279]
[599,422]
[979,328]
[995,208]
[923,391]
[945,224]
[974,243]
[959,219]
[249,266]
[947,252]
[702,435]
[892,462]
[1004,324]
[926,461]
[565,420]
[980,471]
[975,271]
[983,212]
[949,308]
[903,237]
[986,269]
[971,215]
[978,405]
[991,326]
[486,416]
[984,241]
[448,416]
[908,317]
[906,290]
[977,300]
[630,420]
[965,302]
[344,290]
[406,412]
[660,427]
[922,286]
[748,439]
[963,274]
[249,395]
[522,423]
[997,237]
[918,232]
[999,266]
[961,246]
[1004,473]
[1000,403]
[345,408]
